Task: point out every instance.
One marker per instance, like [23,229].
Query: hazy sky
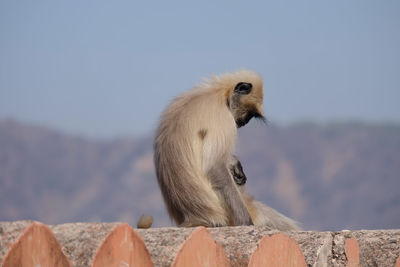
[108,68]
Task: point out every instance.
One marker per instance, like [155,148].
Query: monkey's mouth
[241,122]
[251,114]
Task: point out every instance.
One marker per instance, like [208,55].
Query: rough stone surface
[9,233]
[338,251]
[239,242]
[164,243]
[80,241]
[316,246]
[377,248]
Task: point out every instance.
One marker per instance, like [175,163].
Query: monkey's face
[245,102]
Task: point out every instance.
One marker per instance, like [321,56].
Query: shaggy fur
[193,148]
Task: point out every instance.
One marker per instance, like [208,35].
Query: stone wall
[28,243]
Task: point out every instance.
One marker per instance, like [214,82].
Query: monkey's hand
[237,172]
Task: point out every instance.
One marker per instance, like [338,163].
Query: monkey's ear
[243,88]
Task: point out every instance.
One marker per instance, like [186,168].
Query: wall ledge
[108,244]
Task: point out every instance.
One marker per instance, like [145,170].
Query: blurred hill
[331,177]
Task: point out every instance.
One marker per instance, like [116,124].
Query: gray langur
[193,154]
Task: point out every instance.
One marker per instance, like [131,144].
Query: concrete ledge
[117,244]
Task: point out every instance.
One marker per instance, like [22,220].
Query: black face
[241,112]
[242,121]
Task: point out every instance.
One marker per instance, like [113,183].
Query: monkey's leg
[236,170]
[224,183]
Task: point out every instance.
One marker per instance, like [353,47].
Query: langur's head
[244,96]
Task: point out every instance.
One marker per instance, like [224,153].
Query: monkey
[193,145]
[193,150]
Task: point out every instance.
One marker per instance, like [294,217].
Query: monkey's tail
[267,216]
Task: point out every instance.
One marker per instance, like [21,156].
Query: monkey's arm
[236,169]
[223,182]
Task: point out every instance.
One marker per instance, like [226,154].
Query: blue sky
[108,68]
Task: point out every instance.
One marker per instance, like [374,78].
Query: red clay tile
[200,249]
[277,250]
[122,247]
[397,262]
[36,246]
[352,252]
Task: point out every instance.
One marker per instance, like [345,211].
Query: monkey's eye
[243,88]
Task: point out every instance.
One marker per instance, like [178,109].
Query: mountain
[328,177]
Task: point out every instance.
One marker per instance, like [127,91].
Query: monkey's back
[194,132]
